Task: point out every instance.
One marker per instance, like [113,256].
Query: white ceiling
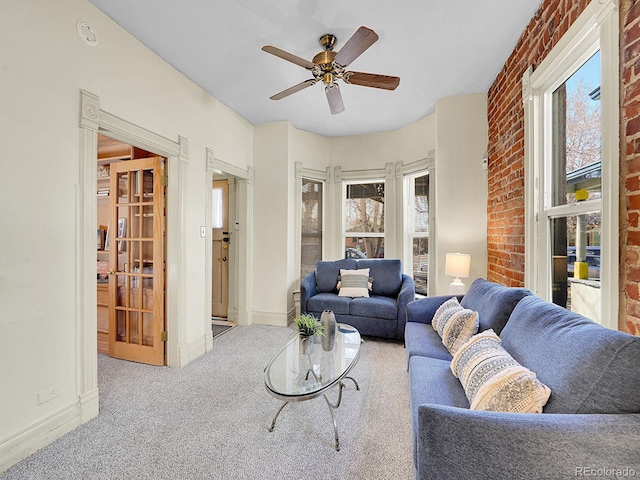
[439,48]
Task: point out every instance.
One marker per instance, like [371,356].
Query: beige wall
[44,64]
[42,324]
[461,185]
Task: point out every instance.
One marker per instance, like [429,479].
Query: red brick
[632,15]
[633,202]
[633,275]
[632,184]
[632,92]
[633,239]
[633,127]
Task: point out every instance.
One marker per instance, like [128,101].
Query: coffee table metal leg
[273,424]
[333,418]
[354,381]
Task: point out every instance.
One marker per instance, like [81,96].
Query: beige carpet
[210,420]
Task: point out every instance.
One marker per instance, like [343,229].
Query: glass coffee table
[292,376]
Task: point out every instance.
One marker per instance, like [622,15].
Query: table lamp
[457,265]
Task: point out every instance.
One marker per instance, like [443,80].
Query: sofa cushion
[493,302]
[494,381]
[354,283]
[431,381]
[386,274]
[420,339]
[327,273]
[329,301]
[374,306]
[589,368]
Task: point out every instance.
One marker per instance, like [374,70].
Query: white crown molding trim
[119,129]
[527,92]
[337,174]
[214,163]
[422,165]
[313,174]
[372,174]
[89,111]
[389,170]
[183,155]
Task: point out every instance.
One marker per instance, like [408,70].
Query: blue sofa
[589,427]
[382,314]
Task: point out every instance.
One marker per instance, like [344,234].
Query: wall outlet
[203,232]
[47,394]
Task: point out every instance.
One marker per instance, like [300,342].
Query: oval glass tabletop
[293,376]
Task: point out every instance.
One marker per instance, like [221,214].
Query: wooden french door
[220,283]
[136,261]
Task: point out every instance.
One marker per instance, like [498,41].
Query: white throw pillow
[444,311]
[493,380]
[354,283]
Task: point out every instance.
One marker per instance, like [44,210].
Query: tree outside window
[364,220]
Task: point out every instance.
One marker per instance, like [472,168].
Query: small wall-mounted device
[203,231]
[88,34]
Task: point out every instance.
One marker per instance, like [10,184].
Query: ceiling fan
[329,66]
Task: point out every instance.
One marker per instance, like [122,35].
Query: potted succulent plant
[308,326]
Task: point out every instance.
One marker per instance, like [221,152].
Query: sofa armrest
[407,294]
[456,443]
[307,290]
[422,310]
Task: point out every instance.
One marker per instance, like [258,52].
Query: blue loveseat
[590,424]
[382,314]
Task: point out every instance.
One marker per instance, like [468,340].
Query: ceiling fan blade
[358,43]
[294,89]
[290,57]
[335,99]
[372,80]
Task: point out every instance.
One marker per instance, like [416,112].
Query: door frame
[93,120]
[241,226]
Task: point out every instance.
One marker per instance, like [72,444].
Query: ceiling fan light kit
[329,66]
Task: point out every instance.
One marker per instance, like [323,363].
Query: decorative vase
[328,319]
[305,344]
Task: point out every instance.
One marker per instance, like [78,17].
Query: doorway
[130,252]
[221,255]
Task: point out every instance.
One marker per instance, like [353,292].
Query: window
[419,230]
[575,172]
[311,241]
[364,220]
[571,169]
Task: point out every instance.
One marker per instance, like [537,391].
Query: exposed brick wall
[506,150]
[506,140]
[630,165]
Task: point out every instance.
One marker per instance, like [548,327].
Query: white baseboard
[44,431]
[193,350]
[270,318]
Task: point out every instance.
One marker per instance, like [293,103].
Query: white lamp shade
[457,265]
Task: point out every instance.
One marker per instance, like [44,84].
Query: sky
[590,72]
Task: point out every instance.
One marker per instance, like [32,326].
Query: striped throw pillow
[354,283]
[455,324]
[494,381]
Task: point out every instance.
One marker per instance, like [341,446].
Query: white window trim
[405,173]
[596,28]
[346,233]
[318,176]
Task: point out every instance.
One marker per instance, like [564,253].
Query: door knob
[224,259]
